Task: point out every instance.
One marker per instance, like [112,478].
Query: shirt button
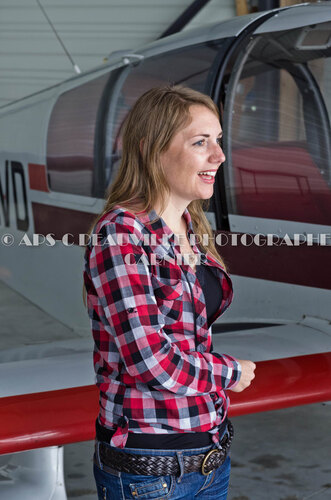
[130,310]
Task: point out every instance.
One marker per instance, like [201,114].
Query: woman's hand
[247,375]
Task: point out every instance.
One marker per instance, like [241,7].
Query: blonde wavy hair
[148,130]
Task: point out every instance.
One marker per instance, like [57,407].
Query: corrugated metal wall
[31,58]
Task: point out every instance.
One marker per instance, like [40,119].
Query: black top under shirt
[213,296]
[211,289]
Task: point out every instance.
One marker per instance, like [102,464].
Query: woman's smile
[208,176]
[193,157]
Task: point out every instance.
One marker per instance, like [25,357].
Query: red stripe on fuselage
[38,177]
[305,265]
[59,221]
[300,265]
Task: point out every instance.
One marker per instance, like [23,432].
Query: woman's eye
[199,143]
[219,141]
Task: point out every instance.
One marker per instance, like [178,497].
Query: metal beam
[189,13]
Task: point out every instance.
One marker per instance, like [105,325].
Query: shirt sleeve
[122,280]
[236,368]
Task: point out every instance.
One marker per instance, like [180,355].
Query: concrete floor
[279,455]
[282,455]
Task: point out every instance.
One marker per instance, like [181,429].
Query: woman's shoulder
[120,217]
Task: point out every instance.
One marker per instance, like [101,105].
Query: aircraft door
[277,175]
[278,132]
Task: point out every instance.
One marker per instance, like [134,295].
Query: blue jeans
[114,485]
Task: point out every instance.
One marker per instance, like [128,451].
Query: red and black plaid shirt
[152,357]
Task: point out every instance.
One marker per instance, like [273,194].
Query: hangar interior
[44,42]
[32,57]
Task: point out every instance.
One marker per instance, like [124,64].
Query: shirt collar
[160,227]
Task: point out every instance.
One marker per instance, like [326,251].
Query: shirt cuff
[236,374]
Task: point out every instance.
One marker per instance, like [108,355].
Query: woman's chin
[206,194]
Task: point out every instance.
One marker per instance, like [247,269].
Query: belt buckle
[215,450]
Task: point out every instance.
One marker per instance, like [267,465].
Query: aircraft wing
[50,398]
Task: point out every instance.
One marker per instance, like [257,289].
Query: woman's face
[193,157]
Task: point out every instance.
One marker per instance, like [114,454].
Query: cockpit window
[277,128]
[70,138]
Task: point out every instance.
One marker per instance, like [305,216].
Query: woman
[153,292]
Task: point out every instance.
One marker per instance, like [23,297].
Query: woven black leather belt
[160,465]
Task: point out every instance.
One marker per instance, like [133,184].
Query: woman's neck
[173,217]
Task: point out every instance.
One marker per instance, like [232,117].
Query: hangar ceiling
[32,58]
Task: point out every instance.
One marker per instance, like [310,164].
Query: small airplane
[269,72]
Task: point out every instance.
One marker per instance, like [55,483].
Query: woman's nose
[217,155]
